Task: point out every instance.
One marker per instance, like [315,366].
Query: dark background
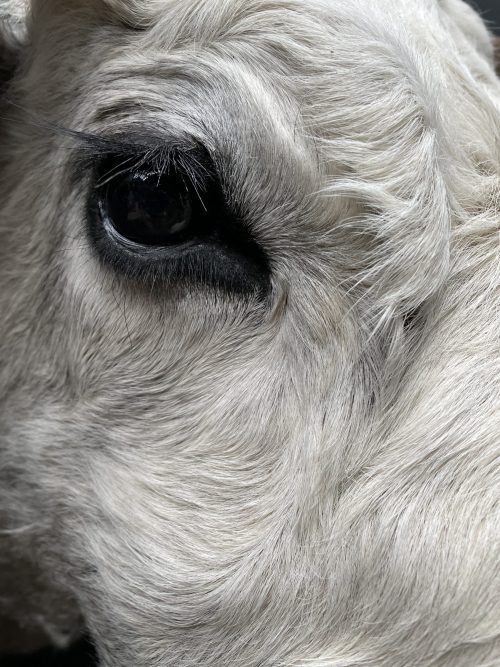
[490,11]
[82,654]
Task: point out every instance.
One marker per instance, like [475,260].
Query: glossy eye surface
[149,209]
[172,225]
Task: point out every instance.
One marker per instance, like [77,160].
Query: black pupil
[163,224]
[150,209]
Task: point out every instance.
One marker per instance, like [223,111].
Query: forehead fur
[414,19]
[136,14]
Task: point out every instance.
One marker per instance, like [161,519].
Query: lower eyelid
[210,247]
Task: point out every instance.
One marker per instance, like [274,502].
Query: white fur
[211,481]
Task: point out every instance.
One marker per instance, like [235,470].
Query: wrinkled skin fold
[306,474]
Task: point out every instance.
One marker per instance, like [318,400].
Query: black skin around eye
[158,228]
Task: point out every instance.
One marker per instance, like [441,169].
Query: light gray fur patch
[312,479]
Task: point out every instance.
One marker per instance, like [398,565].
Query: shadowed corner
[497,54]
[81,654]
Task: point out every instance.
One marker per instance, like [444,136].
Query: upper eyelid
[127,165]
[139,150]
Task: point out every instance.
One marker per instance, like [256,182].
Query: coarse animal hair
[296,463]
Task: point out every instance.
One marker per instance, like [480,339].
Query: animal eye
[150,209]
[164,227]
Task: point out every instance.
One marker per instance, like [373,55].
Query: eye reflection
[149,209]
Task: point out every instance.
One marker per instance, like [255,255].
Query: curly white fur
[205,480]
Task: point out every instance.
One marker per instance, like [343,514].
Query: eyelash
[221,252]
[137,150]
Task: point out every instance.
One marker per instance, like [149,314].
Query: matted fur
[212,481]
